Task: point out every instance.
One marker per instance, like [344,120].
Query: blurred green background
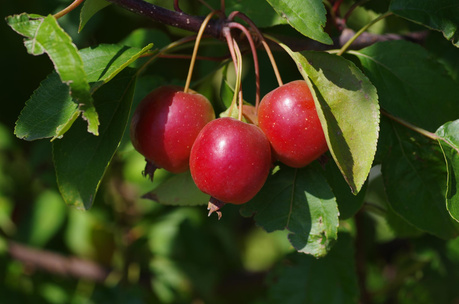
[130,250]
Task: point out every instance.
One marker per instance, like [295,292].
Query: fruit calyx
[215,205]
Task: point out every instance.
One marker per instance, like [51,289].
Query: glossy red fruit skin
[165,125]
[288,117]
[230,160]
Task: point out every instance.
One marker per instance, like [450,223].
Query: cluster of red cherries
[229,159]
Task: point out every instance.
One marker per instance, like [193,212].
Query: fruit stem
[68,9]
[411,126]
[195,50]
[176,6]
[361,31]
[237,61]
[255,58]
[263,42]
[238,86]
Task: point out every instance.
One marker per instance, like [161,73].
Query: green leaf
[49,112]
[304,279]
[414,176]
[449,142]
[260,12]
[440,15]
[411,83]
[44,35]
[347,104]
[105,61]
[307,16]
[179,190]
[300,201]
[89,9]
[81,159]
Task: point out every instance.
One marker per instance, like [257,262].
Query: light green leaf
[81,159]
[105,61]
[179,190]
[440,15]
[300,201]
[50,111]
[414,176]
[44,35]
[89,9]
[347,104]
[449,142]
[307,16]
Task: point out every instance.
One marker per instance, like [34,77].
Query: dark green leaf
[44,35]
[307,16]
[49,112]
[260,12]
[89,9]
[81,159]
[347,104]
[304,279]
[440,15]
[414,175]
[348,203]
[411,83]
[179,190]
[300,201]
[449,142]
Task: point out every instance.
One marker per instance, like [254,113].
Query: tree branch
[172,18]
[57,264]
[215,28]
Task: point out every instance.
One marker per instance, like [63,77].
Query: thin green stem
[362,30]
[417,129]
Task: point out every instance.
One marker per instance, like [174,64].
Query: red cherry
[288,117]
[230,160]
[165,125]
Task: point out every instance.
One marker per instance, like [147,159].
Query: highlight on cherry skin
[288,117]
[165,125]
[230,160]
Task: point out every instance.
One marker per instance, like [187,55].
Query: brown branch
[168,17]
[215,28]
[56,263]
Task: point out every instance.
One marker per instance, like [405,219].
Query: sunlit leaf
[50,111]
[44,35]
[347,104]
[449,142]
